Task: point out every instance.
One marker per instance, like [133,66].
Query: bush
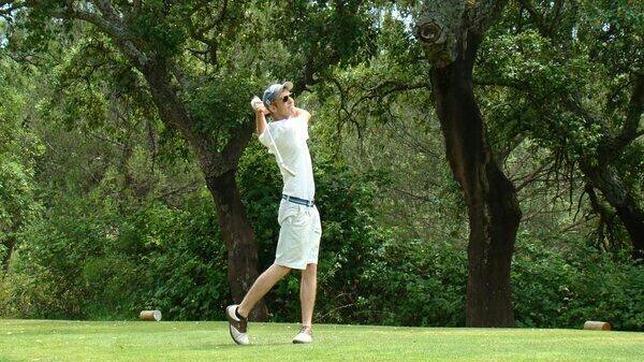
[103,258]
[348,233]
[364,274]
[90,263]
[552,289]
[22,295]
[415,283]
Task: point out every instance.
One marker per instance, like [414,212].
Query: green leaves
[161,29]
[19,149]
[557,89]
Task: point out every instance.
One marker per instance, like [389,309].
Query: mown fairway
[78,340]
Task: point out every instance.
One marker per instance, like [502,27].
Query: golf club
[255,103]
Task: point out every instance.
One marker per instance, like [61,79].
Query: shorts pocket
[287,210]
[297,220]
[317,224]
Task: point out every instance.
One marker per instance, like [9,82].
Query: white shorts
[300,232]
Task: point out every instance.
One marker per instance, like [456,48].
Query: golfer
[299,220]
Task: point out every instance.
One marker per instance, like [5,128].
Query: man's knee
[281,270]
[310,271]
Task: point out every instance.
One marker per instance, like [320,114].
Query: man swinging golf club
[299,220]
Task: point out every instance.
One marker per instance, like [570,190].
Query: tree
[574,69]
[619,121]
[177,49]
[451,33]
[201,62]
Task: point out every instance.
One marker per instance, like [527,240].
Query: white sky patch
[3,34]
[408,20]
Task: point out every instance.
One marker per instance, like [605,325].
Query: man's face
[283,104]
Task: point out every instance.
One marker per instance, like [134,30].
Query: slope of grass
[140,341]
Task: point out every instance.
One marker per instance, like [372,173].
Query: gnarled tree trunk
[605,178]
[493,208]
[219,169]
[451,39]
[239,238]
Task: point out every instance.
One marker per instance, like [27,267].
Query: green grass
[189,341]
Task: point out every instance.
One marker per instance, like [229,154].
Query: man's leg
[237,314]
[262,285]
[308,287]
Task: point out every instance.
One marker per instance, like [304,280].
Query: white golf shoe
[304,336]
[237,326]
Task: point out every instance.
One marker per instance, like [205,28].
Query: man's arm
[260,120]
[260,114]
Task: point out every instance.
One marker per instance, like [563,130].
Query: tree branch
[108,11]
[180,76]
[199,33]
[537,17]
[633,119]
[556,14]
[613,146]
[481,14]
[386,88]
[115,30]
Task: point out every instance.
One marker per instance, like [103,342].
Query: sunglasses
[285,98]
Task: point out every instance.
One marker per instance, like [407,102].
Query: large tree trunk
[219,169]
[451,32]
[620,198]
[239,238]
[493,208]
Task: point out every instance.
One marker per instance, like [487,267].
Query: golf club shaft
[277,153]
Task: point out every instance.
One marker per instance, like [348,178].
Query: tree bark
[239,238]
[493,209]
[451,32]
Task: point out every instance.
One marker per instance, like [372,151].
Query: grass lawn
[190,341]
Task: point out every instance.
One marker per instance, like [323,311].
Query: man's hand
[258,106]
[262,110]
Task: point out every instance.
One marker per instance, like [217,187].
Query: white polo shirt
[290,136]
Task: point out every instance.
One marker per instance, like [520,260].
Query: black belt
[297,200]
